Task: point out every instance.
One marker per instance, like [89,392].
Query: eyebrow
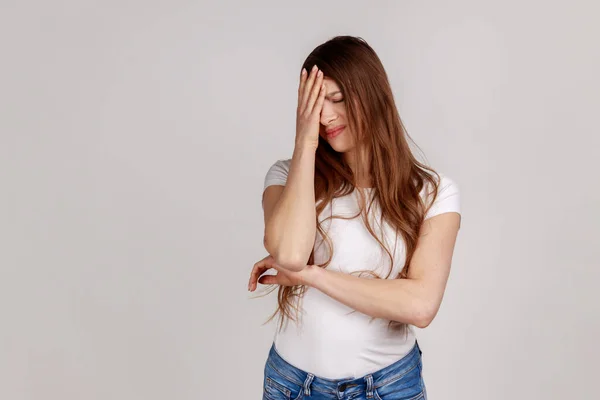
[332,93]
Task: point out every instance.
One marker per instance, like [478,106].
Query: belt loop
[307,382]
[369,379]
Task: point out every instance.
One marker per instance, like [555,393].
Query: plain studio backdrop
[135,136]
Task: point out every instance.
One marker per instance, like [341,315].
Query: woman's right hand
[311,95]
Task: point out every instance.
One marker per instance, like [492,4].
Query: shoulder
[447,185]
[277,173]
[282,164]
[447,198]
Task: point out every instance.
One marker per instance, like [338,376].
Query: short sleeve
[448,198]
[277,174]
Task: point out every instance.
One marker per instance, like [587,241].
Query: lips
[334,131]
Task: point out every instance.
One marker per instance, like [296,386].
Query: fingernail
[314,68]
[303,71]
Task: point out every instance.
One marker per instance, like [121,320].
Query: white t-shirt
[332,340]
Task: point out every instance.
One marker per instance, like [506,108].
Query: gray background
[135,136]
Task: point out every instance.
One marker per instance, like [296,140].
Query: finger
[303,77]
[254,281]
[314,93]
[269,280]
[258,269]
[307,88]
[253,285]
[320,100]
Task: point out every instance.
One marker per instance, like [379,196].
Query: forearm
[403,300]
[290,231]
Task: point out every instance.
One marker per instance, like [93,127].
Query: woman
[361,236]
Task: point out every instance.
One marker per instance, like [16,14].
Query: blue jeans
[402,380]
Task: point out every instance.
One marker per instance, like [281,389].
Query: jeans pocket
[278,387]
[406,386]
[274,390]
[420,396]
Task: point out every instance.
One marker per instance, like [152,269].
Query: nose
[327,114]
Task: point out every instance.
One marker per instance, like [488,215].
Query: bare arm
[290,223]
[290,215]
[415,300]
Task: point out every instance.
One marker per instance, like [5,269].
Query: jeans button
[342,387]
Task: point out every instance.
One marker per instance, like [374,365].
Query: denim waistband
[366,383]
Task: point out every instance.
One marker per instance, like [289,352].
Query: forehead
[330,85]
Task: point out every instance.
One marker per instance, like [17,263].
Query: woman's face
[334,127]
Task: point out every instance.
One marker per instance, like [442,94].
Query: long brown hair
[397,176]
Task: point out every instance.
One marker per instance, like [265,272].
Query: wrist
[311,275]
[305,147]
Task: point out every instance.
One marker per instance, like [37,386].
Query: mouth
[334,132]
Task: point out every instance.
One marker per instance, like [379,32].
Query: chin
[340,146]
[339,149]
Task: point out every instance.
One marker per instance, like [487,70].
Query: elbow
[423,316]
[290,262]
[293,264]
[422,323]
